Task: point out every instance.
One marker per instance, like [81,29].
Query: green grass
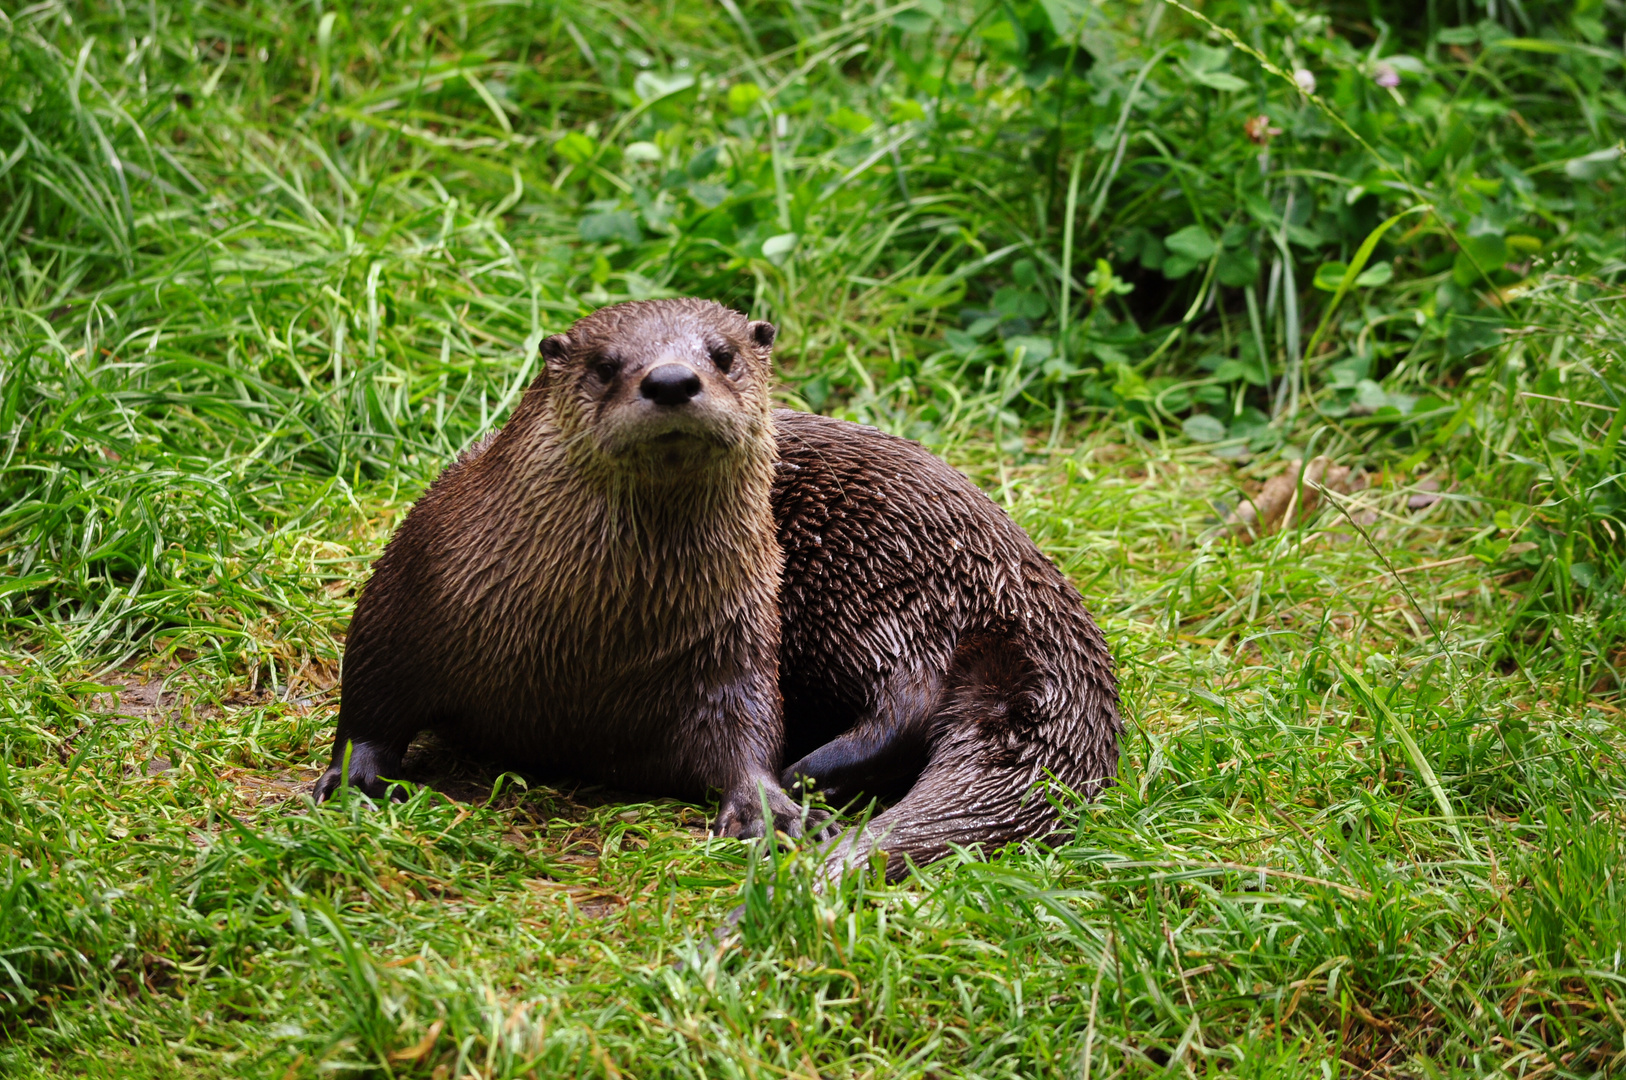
[265,268]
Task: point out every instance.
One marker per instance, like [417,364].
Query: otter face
[663,386]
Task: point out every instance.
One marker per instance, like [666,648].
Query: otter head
[663,388]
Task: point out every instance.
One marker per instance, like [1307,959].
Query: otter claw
[368,767]
[742,814]
[375,787]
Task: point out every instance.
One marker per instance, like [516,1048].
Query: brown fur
[927,644]
[596,590]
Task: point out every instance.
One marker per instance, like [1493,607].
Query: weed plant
[265,268]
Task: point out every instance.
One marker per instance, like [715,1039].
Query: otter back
[927,646]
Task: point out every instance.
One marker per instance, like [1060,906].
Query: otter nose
[670,384]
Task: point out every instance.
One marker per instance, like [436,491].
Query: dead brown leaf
[1285,501]
[420,1050]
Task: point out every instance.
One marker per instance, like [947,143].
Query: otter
[652,579]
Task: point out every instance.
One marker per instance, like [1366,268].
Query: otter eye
[605,368]
[723,357]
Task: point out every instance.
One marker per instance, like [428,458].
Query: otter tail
[974,792]
[1017,709]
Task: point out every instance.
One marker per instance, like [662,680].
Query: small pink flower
[1386,77]
[1258,129]
[1305,78]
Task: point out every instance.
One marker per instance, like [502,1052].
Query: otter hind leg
[998,734]
[876,758]
[880,755]
[372,763]
[969,801]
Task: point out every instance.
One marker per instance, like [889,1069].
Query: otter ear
[763,333]
[556,348]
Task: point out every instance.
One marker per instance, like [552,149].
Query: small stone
[1426,496]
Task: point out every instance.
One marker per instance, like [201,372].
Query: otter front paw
[742,811]
[369,764]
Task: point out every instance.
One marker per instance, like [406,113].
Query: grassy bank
[264,269]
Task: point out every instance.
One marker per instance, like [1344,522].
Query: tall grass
[265,268]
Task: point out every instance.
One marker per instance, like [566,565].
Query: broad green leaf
[743,95]
[1203,428]
[1015,303]
[1193,242]
[1478,255]
[848,120]
[960,341]
[1466,335]
[1219,80]
[1330,275]
[576,148]
[1064,15]
[1176,267]
[704,163]
[1238,267]
[1232,369]
[611,227]
[1205,58]
[1033,350]
[776,248]
[1381,274]
[919,20]
[652,87]
[1592,166]
[905,110]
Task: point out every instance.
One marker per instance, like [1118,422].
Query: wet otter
[650,578]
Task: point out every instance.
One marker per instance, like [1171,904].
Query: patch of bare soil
[168,698]
[136,697]
[258,788]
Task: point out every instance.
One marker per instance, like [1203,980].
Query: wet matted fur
[649,578]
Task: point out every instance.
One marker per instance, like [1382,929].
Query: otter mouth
[677,441]
[681,449]
[695,437]
[683,437]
